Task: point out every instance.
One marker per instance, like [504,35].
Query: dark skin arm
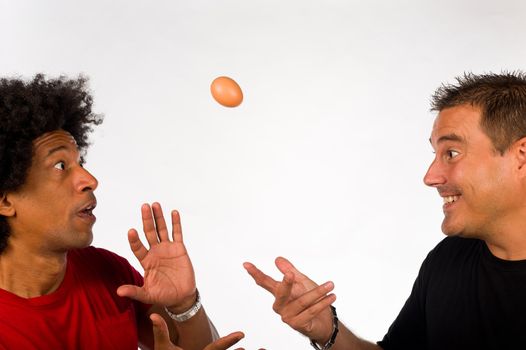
[169,280]
[163,342]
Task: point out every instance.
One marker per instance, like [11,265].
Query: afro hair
[29,109]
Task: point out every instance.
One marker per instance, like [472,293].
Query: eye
[60,165]
[452,154]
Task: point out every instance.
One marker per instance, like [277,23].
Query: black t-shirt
[463,298]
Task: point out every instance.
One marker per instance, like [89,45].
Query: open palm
[169,277]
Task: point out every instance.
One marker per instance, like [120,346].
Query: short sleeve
[408,331]
[118,271]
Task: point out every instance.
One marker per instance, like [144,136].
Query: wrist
[327,344]
[185,304]
[187,312]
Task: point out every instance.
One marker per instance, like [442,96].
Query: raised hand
[169,277]
[162,338]
[300,302]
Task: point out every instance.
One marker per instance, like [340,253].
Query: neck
[508,244]
[30,274]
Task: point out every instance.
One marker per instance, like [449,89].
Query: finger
[133,292]
[283,291]
[284,266]
[225,342]
[160,223]
[138,249]
[310,313]
[260,278]
[148,225]
[308,299]
[161,335]
[177,231]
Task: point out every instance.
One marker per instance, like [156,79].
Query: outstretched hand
[162,338]
[169,277]
[300,302]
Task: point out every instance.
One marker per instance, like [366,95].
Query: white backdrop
[322,163]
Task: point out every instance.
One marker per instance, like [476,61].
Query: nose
[85,181]
[434,176]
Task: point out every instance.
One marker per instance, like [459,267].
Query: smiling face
[478,184]
[52,211]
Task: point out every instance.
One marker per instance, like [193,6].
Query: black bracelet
[331,341]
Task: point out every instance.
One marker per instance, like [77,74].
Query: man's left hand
[169,278]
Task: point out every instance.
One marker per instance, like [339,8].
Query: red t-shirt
[85,312]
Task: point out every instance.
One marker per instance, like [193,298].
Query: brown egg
[226,92]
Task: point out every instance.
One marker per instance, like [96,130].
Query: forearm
[196,332]
[347,340]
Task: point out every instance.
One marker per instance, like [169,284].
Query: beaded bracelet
[332,339]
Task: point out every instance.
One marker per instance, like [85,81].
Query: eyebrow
[449,137]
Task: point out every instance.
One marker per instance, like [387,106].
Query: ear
[6,207]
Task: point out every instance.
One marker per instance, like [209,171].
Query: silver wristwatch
[188,314]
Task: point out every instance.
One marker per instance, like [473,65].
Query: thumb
[133,292]
[161,335]
[284,266]
[225,342]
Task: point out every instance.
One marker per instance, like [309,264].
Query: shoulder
[453,254]
[102,262]
[96,256]
[455,246]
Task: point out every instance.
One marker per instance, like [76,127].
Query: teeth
[450,199]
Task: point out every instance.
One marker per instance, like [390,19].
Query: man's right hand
[162,337]
[300,302]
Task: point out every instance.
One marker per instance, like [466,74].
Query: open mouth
[450,199]
[87,211]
